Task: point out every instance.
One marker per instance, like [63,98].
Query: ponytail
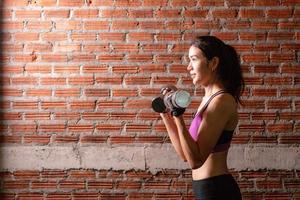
[229,69]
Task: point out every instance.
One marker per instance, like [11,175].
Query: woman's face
[199,67]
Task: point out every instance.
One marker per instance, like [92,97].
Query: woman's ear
[214,62]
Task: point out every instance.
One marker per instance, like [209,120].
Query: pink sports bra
[224,141]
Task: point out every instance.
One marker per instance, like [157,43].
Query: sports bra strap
[209,100]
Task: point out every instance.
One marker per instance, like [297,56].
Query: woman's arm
[214,120]
[173,133]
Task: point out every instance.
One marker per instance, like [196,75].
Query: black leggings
[219,187]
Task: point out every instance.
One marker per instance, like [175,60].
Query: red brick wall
[83,72]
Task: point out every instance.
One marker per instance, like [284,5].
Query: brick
[15,3]
[93,139]
[110,104]
[75,3]
[43,3]
[10,139]
[37,139]
[29,196]
[96,25]
[86,13]
[53,104]
[41,26]
[124,25]
[121,139]
[27,14]
[52,128]
[266,3]
[126,3]
[211,3]
[152,68]
[68,25]
[140,36]
[252,36]
[125,48]
[137,128]
[122,115]
[251,127]
[237,25]
[112,36]
[38,92]
[167,13]
[54,58]
[101,3]
[289,139]
[95,69]
[221,13]
[53,174]
[290,92]
[139,195]
[255,57]
[125,69]
[168,37]
[111,58]
[279,128]
[44,185]
[58,195]
[66,139]
[279,13]
[152,25]
[109,127]
[137,80]
[278,196]
[152,3]
[189,3]
[56,13]
[279,104]
[139,58]
[115,13]
[124,93]
[277,36]
[80,128]
[100,184]
[129,185]
[53,81]
[251,13]
[82,105]
[22,37]
[96,93]
[266,47]
[67,92]
[36,116]
[66,115]
[86,195]
[20,184]
[72,185]
[266,68]
[150,139]
[115,196]
[145,13]
[288,25]
[66,69]
[228,36]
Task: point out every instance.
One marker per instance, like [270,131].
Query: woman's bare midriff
[216,164]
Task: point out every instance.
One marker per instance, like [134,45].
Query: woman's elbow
[196,164]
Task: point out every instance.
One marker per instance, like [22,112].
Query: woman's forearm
[173,133]
[189,147]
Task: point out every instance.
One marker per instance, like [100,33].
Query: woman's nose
[189,67]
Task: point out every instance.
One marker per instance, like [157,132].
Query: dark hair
[229,69]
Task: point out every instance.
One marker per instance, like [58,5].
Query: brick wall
[78,78]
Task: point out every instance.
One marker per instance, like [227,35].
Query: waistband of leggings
[214,178]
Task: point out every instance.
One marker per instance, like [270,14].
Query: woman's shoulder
[224,102]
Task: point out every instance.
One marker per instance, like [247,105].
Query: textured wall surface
[78,77]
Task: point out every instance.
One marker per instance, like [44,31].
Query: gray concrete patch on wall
[153,158]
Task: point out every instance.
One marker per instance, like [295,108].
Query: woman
[214,66]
